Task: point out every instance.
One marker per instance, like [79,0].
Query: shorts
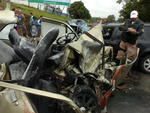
[127,51]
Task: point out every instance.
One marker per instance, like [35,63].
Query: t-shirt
[138,25]
[20,20]
[34,30]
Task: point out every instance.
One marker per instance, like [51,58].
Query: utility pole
[7,4]
[28,3]
[38,6]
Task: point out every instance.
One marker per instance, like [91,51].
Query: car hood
[96,32]
[86,50]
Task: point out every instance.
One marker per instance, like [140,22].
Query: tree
[120,20]
[77,10]
[123,1]
[142,6]
[111,18]
[95,19]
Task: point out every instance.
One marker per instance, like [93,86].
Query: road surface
[133,100]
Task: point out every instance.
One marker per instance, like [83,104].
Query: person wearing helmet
[131,30]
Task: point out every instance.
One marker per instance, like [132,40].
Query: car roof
[146,24]
[118,24]
[112,24]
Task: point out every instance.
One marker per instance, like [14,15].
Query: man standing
[34,27]
[132,29]
[21,26]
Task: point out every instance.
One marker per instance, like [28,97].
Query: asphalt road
[135,99]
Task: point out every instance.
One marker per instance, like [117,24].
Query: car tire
[145,64]
[86,99]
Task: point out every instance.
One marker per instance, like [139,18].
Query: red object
[118,71]
[104,98]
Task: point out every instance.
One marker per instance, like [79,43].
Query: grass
[36,12]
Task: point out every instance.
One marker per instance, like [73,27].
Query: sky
[97,8]
[102,8]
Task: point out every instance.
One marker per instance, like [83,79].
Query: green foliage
[26,10]
[94,19]
[120,20]
[123,1]
[110,19]
[77,10]
[142,6]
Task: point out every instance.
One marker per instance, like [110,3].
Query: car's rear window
[116,35]
[146,33]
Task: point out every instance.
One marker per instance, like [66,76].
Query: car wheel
[145,64]
[86,99]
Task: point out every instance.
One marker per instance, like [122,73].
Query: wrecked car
[74,75]
[79,25]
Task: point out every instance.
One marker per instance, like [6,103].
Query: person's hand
[133,31]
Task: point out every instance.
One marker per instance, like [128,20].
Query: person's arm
[23,15]
[138,31]
[132,30]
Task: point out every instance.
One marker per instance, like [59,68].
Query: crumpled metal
[85,55]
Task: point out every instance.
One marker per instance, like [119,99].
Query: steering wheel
[67,38]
